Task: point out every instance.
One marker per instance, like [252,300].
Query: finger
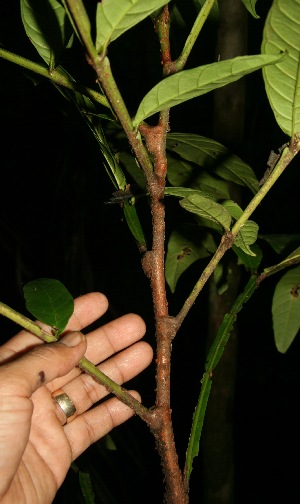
[107,340]
[86,429]
[84,391]
[42,364]
[87,309]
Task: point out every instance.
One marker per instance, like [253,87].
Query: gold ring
[65,403]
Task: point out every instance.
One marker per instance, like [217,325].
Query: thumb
[41,365]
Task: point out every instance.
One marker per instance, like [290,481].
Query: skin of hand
[37,446]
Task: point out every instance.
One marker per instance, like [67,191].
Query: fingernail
[72,339]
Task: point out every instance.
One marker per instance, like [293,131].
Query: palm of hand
[41,445]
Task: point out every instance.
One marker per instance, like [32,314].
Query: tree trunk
[218,460]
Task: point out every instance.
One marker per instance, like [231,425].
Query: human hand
[37,444]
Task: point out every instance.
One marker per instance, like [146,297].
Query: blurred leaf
[86,487]
[247,236]
[48,27]
[207,208]
[280,242]
[214,13]
[250,6]
[115,17]
[50,302]
[182,252]
[131,166]
[189,84]
[281,34]
[213,158]
[286,309]
[182,174]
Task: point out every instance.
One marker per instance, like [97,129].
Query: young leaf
[251,262]
[286,309]
[115,17]
[180,173]
[247,236]
[250,6]
[183,252]
[48,27]
[281,33]
[234,209]
[207,208]
[212,157]
[189,84]
[49,301]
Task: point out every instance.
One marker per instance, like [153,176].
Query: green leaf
[251,262]
[203,222]
[234,209]
[184,192]
[48,27]
[50,302]
[247,236]
[286,309]
[88,112]
[86,487]
[207,208]
[281,33]
[134,225]
[182,252]
[250,6]
[115,17]
[180,173]
[214,355]
[212,157]
[189,84]
[197,424]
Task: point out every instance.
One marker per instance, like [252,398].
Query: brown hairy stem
[165,328]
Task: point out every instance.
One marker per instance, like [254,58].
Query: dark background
[54,223]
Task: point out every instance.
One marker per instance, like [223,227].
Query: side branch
[226,243]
